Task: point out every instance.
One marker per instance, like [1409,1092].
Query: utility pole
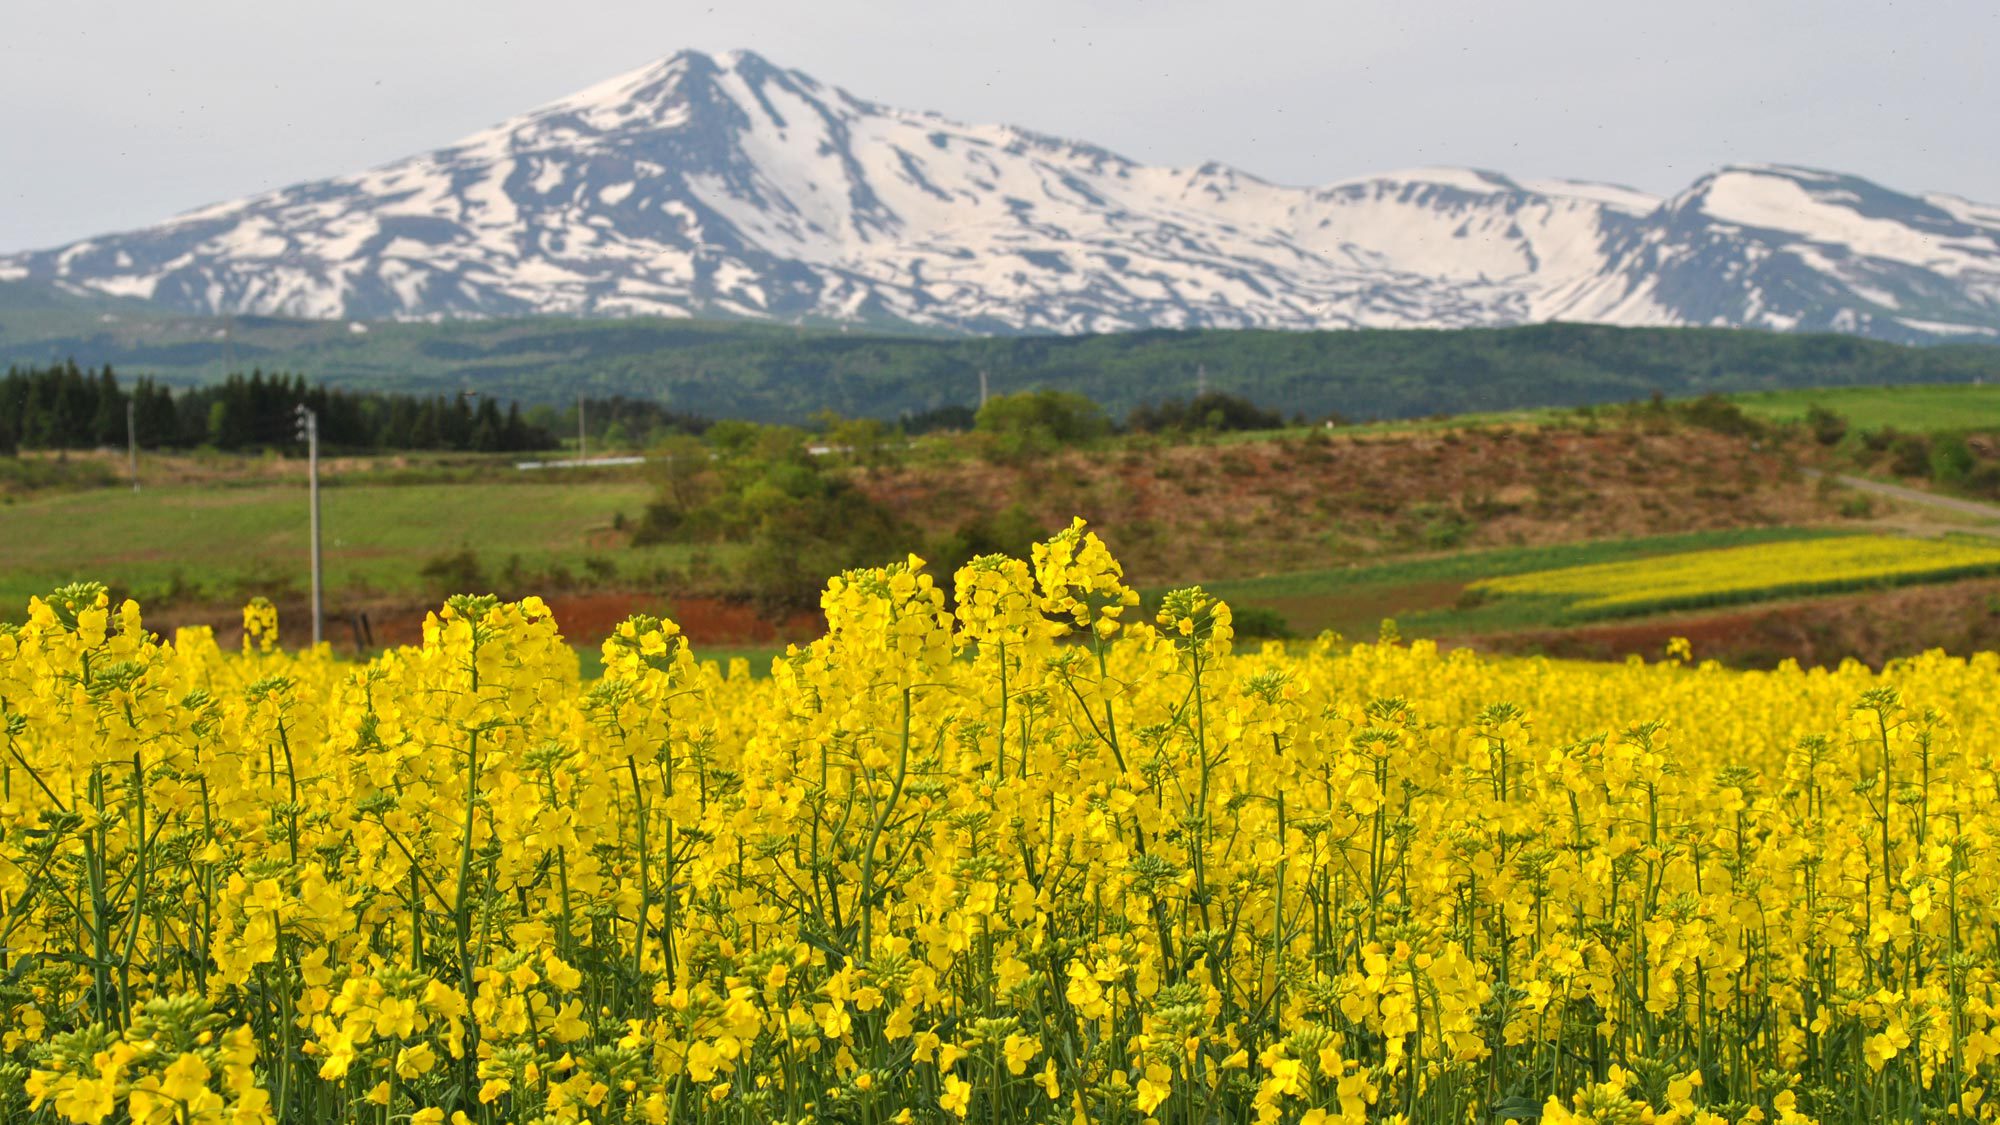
[308,429]
[132,436]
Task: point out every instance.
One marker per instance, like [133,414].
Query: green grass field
[1921,409]
[1916,408]
[1424,595]
[221,542]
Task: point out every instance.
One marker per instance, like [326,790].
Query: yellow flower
[416,1060]
[957,1096]
[186,1078]
[1019,1050]
[569,1025]
[1046,1079]
[1310,880]
[1153,1087]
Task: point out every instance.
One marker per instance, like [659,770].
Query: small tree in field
[1038,421]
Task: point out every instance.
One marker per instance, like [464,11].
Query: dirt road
[1913,496]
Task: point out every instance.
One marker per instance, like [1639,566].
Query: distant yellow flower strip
[949,866]
[1765,570]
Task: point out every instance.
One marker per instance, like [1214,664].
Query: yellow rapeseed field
[947,866]
[1764,570]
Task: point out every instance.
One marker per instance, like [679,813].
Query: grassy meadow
[1922,408]
[1918,409]
[214,541]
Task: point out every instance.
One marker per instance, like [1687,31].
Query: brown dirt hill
[1210,511]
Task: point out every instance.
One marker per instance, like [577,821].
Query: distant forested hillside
[64,406]
[734,370]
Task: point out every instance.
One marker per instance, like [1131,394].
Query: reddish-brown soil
[1961,618]
[585,618]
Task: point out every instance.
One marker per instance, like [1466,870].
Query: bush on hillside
[1038,421]
[1057,415]
[1910,456]
[1827,426]
[1213,412]
[761,486]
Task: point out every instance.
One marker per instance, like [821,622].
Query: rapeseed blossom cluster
[1021,854]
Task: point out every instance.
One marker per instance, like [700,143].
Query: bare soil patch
[1175,513]
[1876,627]
[585,619]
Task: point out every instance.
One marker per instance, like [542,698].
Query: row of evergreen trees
[68,407]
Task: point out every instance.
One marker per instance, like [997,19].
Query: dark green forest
[65,406]
[779,376]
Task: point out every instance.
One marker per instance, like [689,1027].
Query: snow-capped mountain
[727,186]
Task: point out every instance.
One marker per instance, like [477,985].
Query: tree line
[771,374]
[65,406]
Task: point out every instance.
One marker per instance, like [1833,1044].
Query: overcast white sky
[120,114]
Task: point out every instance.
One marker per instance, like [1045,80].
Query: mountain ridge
[731,187]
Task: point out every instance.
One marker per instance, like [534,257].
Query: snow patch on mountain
[706,186]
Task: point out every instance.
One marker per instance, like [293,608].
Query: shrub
[1261,622]
[1213,412]
[1827,426]
[1042,419]
[1951,460]
[1911,456]
[453,572]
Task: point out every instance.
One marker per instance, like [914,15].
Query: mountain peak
[745,60]
[1475,181]
[724,184]
[1774,168]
